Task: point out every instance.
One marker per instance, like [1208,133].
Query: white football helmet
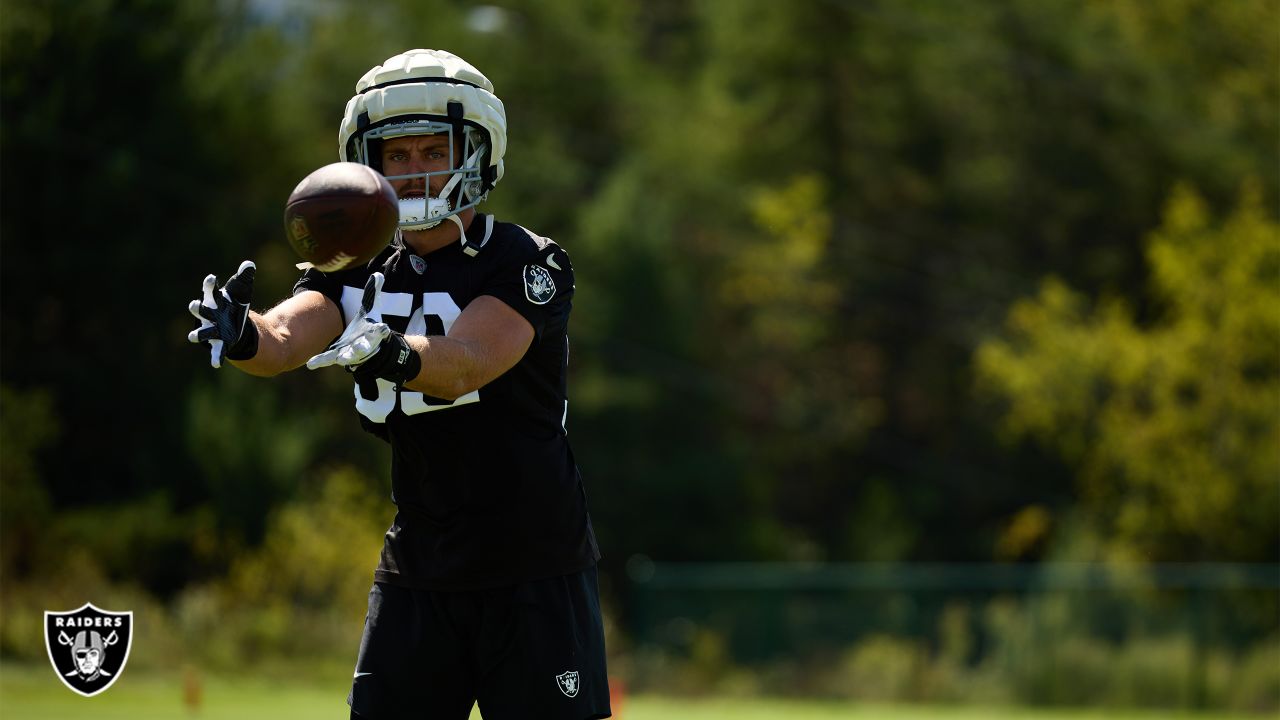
[427,92]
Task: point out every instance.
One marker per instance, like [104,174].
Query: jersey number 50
[435,317]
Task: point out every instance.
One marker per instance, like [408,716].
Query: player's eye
[436,154]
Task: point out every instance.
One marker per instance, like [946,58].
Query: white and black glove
[371,350]
[224,317]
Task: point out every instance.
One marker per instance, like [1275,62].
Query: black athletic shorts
[530,651]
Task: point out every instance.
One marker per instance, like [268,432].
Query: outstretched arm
[264,345]
[291,332]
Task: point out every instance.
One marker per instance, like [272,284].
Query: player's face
[87,660]
[416,154]
[412,154]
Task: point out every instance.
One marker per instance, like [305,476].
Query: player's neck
[422,242]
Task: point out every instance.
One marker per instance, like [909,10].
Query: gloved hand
[224,317]
[370,349]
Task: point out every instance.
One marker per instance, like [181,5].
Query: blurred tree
[1173,423]
[316,550]
[145,144]
[962,152]
[303,591]
[29,425]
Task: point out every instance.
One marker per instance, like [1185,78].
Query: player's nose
[418,162]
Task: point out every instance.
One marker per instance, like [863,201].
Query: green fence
[1170,635]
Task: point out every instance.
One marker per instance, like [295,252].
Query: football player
[456,338]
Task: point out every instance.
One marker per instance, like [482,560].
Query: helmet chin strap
[462,231]
[468,247]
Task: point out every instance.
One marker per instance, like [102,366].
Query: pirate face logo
[568,683]
[539,288]
[87,650]
[88,646]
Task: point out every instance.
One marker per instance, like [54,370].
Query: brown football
[341,215]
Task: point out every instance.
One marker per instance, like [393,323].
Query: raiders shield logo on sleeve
[88,646]
[539,288]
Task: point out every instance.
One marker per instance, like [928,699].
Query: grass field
[33,693]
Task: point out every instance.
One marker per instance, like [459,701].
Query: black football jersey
[486,487]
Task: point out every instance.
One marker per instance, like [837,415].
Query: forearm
[450,368]
[290,333]
[274,354]
[486,340]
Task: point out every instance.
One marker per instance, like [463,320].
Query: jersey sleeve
[331,285]
[537,282]
[325,284]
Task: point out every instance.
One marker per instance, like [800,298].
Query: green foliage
[28,424]
[882,669]
[1172,423]
[303,591]
[1001,650]
[251,449]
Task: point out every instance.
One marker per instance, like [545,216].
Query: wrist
[395,361]
[245,346]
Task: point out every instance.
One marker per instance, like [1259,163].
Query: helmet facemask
[465,186]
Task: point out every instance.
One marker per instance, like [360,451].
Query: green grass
[33,693]
[653,708]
